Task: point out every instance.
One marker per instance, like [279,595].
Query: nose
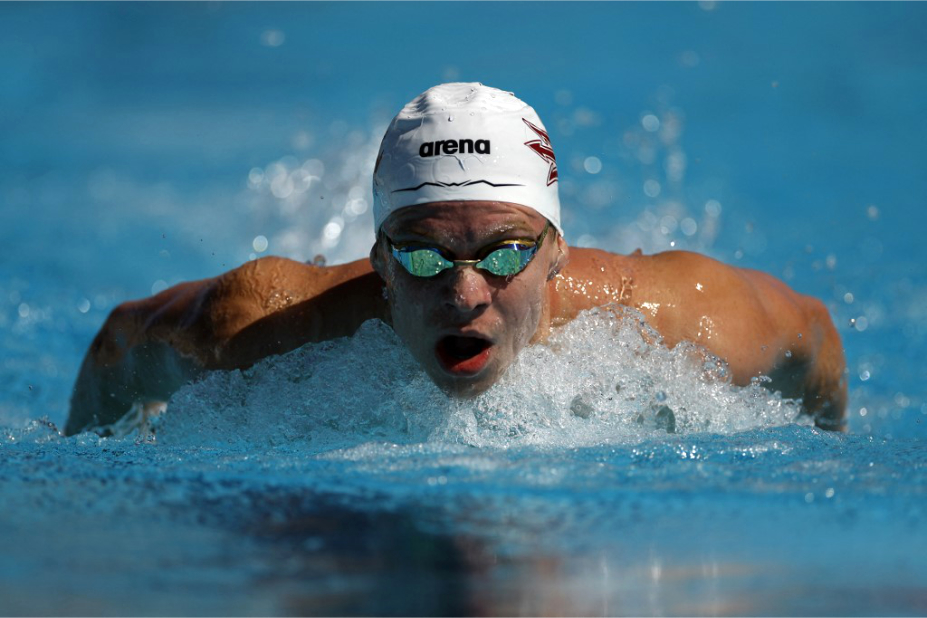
[468,291]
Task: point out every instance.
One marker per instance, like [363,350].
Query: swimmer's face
[464,325]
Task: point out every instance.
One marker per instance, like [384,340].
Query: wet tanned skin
[147,349]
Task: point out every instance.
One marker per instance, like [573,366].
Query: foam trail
[605,378]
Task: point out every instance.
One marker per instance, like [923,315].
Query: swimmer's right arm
[147,349]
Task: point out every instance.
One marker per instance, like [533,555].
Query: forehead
[464,220]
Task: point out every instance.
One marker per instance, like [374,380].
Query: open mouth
[463,355]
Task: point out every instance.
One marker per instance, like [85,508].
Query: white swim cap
[466,142]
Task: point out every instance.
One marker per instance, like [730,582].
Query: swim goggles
[503,259]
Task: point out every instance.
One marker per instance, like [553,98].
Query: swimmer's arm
[128,364]
[761,327]
[148,349]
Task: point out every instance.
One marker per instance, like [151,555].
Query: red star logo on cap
[543,149]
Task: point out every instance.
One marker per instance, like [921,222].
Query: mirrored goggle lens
[503,262]
[422,262]
[507,261]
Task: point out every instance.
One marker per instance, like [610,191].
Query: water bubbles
[356,207]
[864,375]
[255,178]
[872,211]
[158,286]
[829,493]
[83,305]
[341,393]
[332,231]
[665,419]
[689,58]
[713,208]
[301,140]
[809,497]
[863,411]
[668,224]
[860,323]
[259,244]
[282,186]
[831,262]
[788,353]
[650,123]
[652,188]
[23,310]
[315,167]
[580,408]
[586,240]
[688,226]
[592,165]
[848,298]
[272,38]
[585,117]
[675,165]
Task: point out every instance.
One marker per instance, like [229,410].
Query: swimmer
[470,265]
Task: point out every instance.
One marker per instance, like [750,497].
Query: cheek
[521,307]
[408,307]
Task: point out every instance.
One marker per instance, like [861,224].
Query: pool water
[144,145]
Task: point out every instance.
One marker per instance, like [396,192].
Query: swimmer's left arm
[759,325]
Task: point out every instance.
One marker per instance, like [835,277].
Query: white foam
[604,378]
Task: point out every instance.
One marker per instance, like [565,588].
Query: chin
[463,387]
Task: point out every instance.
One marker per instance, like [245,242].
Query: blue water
[142,145]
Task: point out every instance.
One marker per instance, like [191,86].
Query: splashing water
[605,378]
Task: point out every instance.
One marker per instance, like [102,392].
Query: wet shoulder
[273,278]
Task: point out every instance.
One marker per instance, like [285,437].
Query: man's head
[466,173]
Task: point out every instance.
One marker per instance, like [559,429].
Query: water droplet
[650,123]
[259,243]
[592,165]
[580,408]
[666,420]
[450,119]
[788,353]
